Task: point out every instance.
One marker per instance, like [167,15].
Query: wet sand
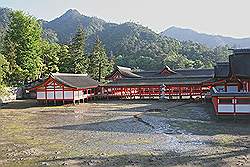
[121,133]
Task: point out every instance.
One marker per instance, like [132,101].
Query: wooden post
[180,92]
[130,92]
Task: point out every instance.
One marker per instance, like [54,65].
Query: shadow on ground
[166,159]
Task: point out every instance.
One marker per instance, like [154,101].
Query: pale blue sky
[225,17]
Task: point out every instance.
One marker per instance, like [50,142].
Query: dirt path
[120,133]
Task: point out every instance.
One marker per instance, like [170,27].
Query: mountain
[132,44]
[205,39]
[66,25]
[4,17]
[4,21]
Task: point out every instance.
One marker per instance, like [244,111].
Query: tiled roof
[240,64]
[140,77]
[75,80]
[221,70]
[195,72]
[184,80]
[185,72]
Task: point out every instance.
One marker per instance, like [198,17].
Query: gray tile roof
[140,77]
[75,80]
[221,70]
[240,64]
[195,72]
[187,80]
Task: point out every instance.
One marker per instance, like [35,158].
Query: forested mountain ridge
[135,45]
[131,44]
[66,25]
[205,39]
[4,21]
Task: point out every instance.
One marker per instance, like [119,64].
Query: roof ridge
[195,69]
[68,74]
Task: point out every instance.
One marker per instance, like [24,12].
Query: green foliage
[30,57]
[64,59]
[79,61]
[139,47]
[4,65]
[23,48]
[177,61]
[49,35]
[3,70]
[50,52]
[100,66]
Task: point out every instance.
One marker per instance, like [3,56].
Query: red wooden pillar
[248,86]
[170,92]
[200,88]
[121,92]
[190,93]
[63,93]
[54,92]
[180,92]
[90,94]
[150,92]
[225,87]
[215,104]
[46,97]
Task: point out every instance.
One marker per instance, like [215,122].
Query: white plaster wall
[68,94]
[40,95]
[50,95]
[76,95]
[226,108]
[59,95]
[243,108]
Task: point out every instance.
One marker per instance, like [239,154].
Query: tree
[64,59]
[22,48]
[50,57]
[79,61]
[99,66]
[177,61]
[3,69]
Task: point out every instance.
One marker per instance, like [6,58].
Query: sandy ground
[121,133]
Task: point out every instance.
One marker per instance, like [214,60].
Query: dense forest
[26,56]
[31,49]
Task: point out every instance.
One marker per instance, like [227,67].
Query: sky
[221,17]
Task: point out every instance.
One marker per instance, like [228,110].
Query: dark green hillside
[66,25]
[131,44]
[4,21]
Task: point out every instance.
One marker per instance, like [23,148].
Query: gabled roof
[167,71]
[75,80]
[128,74]
[124,71]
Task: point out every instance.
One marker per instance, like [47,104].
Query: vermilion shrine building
[231,85]
[127,83]
[228,84]
[66,87]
